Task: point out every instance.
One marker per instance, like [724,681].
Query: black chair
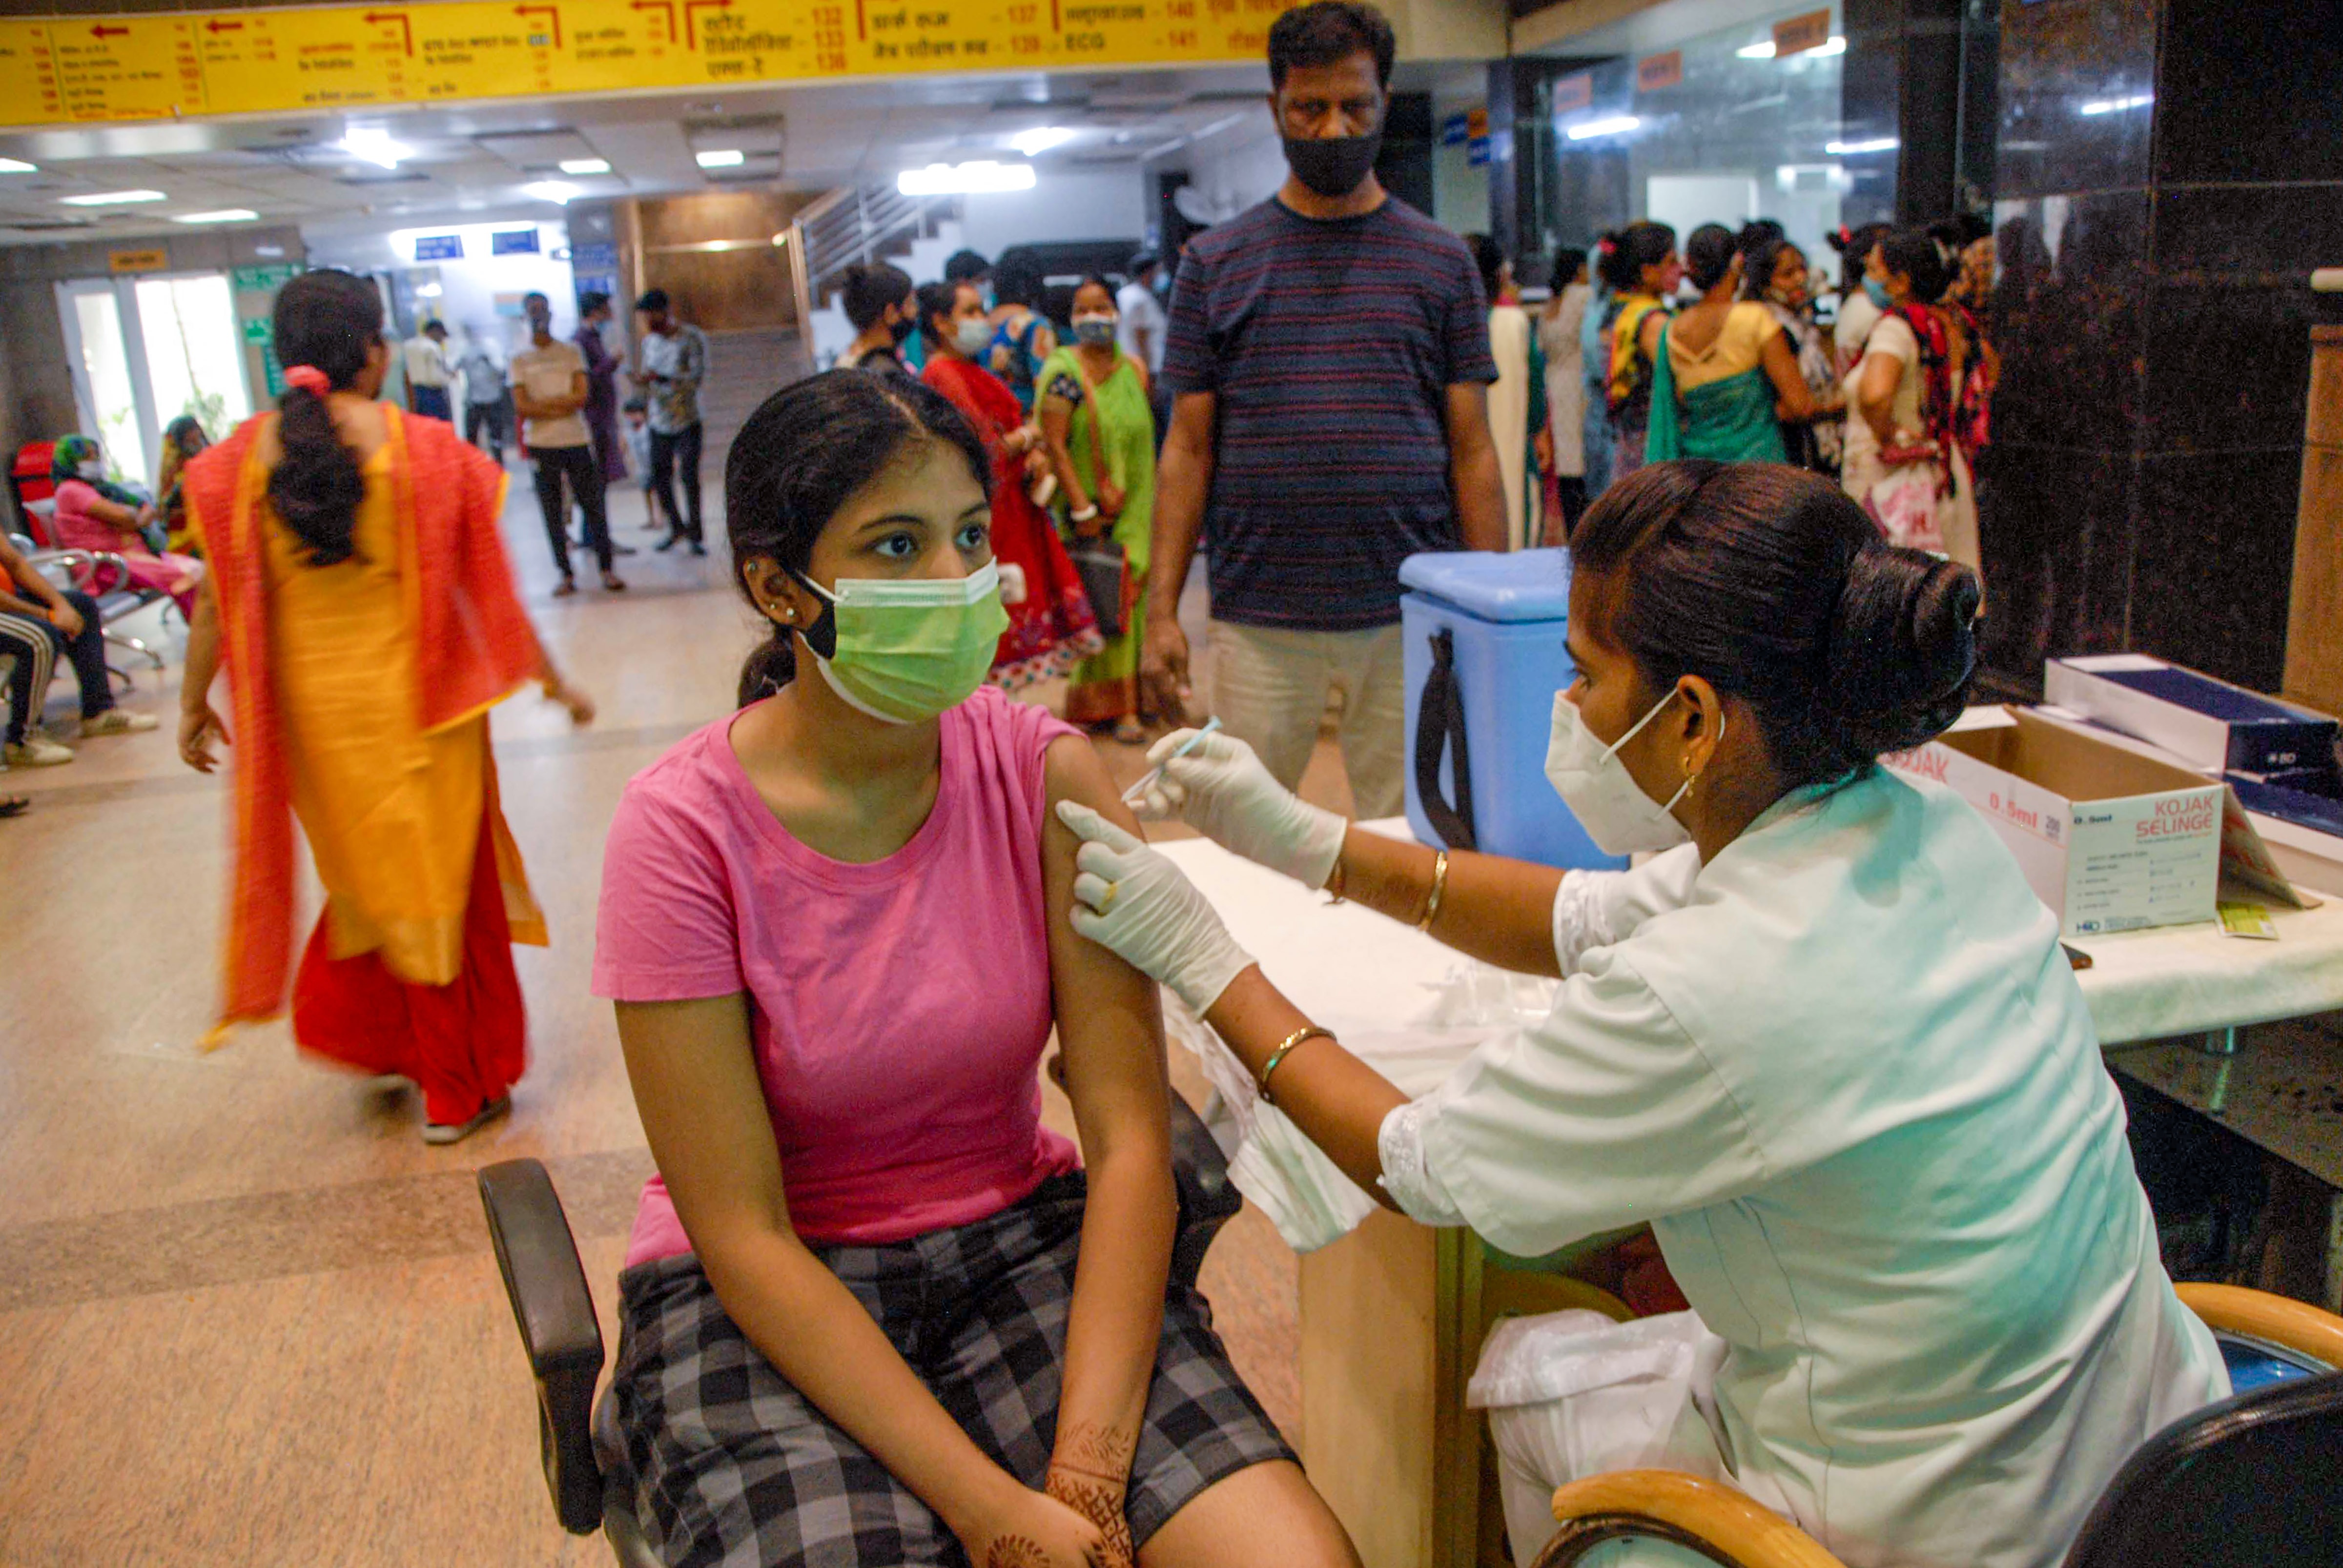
[553,1308]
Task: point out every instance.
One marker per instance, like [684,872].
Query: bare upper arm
[1781,364]
[1881,371]
[1468,415]
[1110,1016]
[694,1071]
[1648,332]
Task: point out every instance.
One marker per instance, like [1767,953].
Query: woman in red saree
[1051,626]
[359,596]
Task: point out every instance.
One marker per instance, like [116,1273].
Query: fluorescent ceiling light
[429,291]
[1765,51]
[1040,140]
[375,147]
[982,176]
[2117,105]
[226,215]
[1851,149]
[722,158]
[584,166]
[1618,125]
[113,198]
[17,167]
[559,191]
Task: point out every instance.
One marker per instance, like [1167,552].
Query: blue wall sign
[440,247]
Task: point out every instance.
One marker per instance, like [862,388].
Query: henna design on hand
[1015,1551]
[1089,1448]
[1100,1501]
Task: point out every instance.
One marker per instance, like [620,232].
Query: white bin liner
[1572,1394]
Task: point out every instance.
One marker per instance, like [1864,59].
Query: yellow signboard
[156,259]
[94,68]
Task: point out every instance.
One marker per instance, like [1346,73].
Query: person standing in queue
[1100,435]
[1328,365]
[883,311]
[1139,303]
[674,364]
[424,357]
[602,368]
[1825,1043]
[549,386]
[361,601]
[1051,622]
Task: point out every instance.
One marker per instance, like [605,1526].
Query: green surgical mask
[902,651]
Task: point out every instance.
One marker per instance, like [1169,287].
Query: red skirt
[463,1043]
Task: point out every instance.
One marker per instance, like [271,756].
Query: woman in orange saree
[359,600]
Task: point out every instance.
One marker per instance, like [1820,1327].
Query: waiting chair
[553,1308]
[2252,1481]
[105,578]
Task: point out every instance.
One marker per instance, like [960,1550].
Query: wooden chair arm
[1723,1525]
[2280,1320]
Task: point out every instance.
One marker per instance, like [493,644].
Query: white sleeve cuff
[1409,1180]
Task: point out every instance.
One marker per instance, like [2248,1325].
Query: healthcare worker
[1827,1043]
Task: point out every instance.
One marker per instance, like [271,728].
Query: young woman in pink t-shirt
[874,1311]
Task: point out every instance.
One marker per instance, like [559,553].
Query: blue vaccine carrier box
[1484,658]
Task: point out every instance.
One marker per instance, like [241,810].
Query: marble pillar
[2168,175]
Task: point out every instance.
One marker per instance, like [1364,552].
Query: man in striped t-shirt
[1329,354]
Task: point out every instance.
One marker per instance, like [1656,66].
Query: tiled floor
[247,1316]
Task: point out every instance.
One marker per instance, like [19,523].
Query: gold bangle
[1439,890]
[1284,1047]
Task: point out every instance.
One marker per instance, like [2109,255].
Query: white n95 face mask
[1599,791]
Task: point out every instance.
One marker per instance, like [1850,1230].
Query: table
[1393,1314]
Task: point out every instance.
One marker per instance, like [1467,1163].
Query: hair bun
[1902,650]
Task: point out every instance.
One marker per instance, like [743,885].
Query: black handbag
[1104,569]
[1100,562]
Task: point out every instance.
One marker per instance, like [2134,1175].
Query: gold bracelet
[1277,1057]
[1439,889]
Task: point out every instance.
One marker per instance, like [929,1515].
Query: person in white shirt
[1143,320]
[550,388]
[487,405]
[1826,1044]
[1142,329]
[425,358]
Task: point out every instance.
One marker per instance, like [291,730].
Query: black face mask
[1334,166]
[900,330]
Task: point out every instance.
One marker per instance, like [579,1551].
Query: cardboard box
[2304,848]
[2109,839]
[2211,725]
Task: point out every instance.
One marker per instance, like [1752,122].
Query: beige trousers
[1270,687]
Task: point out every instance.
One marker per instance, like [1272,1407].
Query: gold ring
[1108,902]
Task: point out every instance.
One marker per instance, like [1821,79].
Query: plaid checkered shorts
[733,1467]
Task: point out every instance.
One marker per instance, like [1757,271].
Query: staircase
[864,224]
[744,368]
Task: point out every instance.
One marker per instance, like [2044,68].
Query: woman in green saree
[1727,375]
[1100,437]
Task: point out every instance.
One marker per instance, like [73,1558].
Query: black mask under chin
[1334,166]
[899,329]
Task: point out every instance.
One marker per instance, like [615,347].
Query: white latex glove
[1224,791]
[1136,904]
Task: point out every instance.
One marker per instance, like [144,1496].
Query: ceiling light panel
[113,199]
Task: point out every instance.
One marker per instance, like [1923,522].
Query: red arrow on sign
[691,33]
[552,11]
[216,27]
[666,6]
[102,31]
[375,18]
